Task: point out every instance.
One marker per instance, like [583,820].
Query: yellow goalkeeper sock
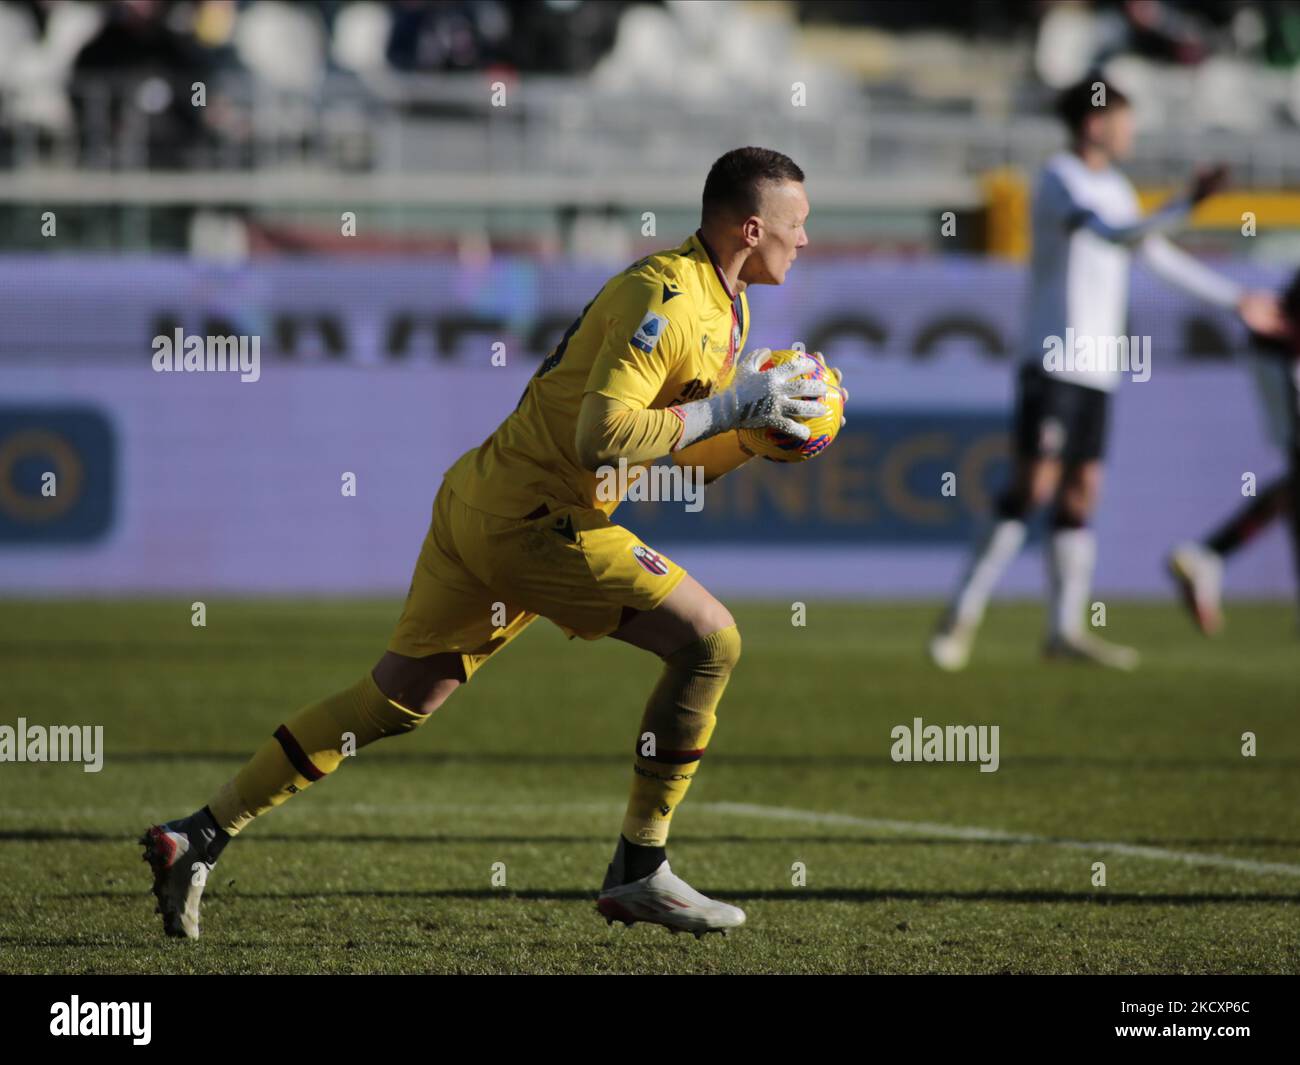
[675,730]
[309,746]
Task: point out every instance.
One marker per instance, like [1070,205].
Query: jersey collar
[698,238]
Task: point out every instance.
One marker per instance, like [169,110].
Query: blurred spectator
[150,68]
[447,34]
[283,45]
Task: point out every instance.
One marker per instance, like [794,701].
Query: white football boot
[177,854]
[950,647]
[1198,572]
[665,898]
[1085,647]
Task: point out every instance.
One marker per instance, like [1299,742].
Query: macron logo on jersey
[647,333]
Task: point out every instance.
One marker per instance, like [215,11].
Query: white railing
[439,140]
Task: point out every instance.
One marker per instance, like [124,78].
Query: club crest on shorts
[650,561]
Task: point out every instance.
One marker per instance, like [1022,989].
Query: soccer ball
[776,446]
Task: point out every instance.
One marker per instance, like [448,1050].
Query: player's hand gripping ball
[776,446]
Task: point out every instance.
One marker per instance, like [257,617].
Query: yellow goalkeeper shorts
[482,579]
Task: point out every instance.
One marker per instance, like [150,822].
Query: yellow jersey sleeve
[609,430]
[718,455]
[647,334]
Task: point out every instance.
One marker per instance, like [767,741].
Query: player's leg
[1071,561]
[1034,481]
[1072,550]
[423,683]
[1293,466]
[699,643]
[593,579]
[446,610]
[1197,568]
[1251,519]
[1294,515]
[1036,443]
[1293,460]
[304,749]
[314,742]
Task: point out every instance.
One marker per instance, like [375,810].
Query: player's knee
[729,646]
[418,685]
[713,617]
[438,693]
[714,654]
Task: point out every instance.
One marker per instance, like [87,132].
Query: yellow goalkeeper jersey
[667,330]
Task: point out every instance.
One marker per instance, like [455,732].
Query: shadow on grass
[550,760]
[1089,898]
[73,835]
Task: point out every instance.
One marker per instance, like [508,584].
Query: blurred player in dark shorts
[1197,568]
[1087,226]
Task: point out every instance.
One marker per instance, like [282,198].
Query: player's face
[779,231]
[1116,132]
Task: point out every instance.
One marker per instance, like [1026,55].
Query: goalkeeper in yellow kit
[651,367]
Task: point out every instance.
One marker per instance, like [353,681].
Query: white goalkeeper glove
[758,399]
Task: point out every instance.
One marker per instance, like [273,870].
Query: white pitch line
[908,828]
[930,828]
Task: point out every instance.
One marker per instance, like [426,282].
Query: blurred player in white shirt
[1086,226]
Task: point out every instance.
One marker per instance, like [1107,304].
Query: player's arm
[615,421]
[609,429]
[1260,311]
[1174,266]
[718,455]
[645,340]
[1171,215]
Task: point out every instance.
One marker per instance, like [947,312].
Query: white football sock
[1071,559]
[995,552]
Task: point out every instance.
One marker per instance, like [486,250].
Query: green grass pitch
[388,865]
